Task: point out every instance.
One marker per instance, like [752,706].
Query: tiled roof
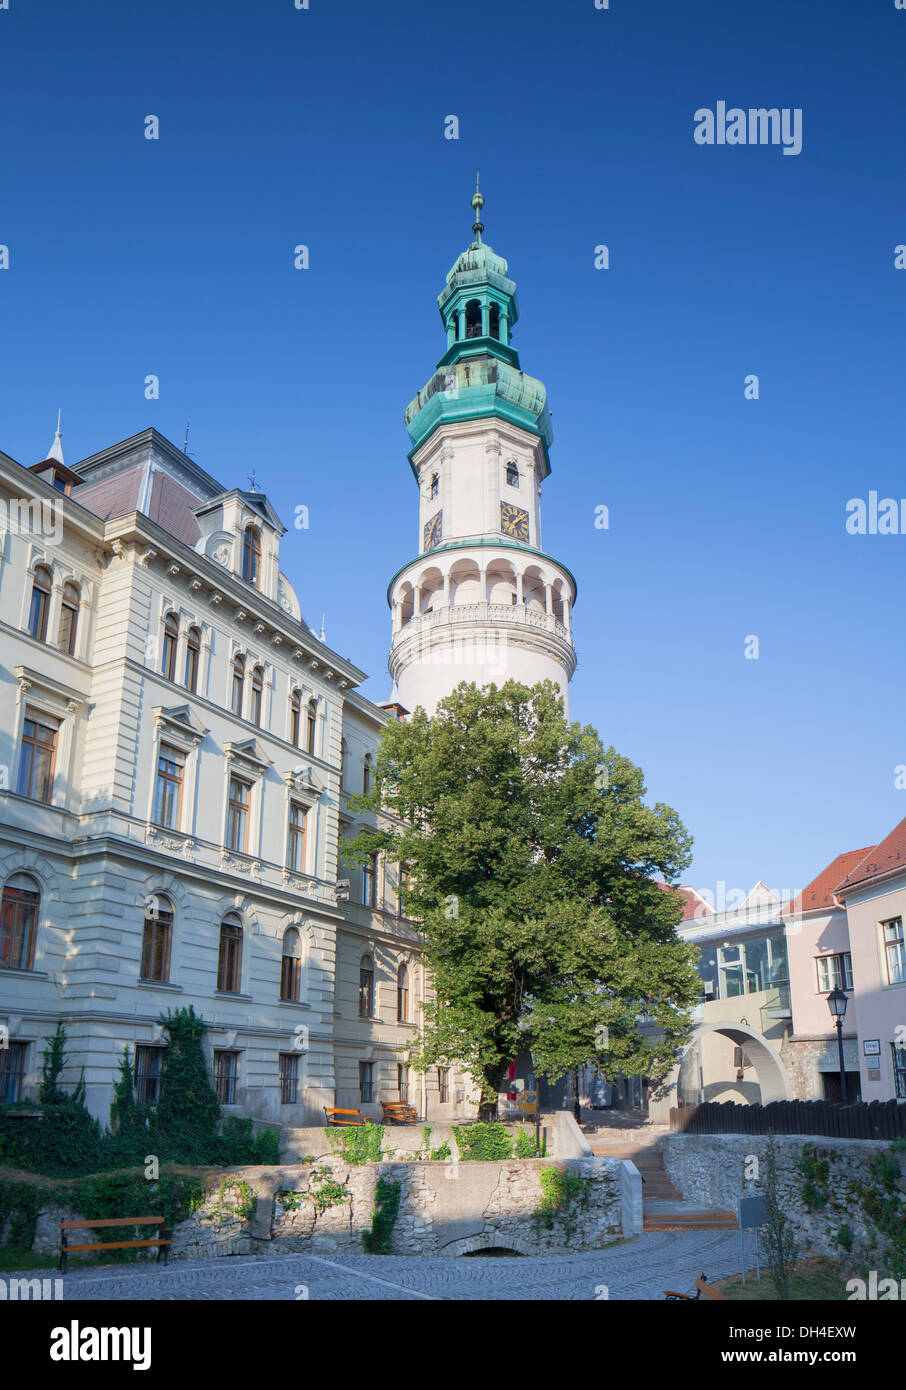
[889,854]
[819,893]
[693,902]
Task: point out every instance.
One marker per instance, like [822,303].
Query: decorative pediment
[60,699]
[248,755]
[180,724]
[303,784]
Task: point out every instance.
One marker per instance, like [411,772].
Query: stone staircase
[663,1208]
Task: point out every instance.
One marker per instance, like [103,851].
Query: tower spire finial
[477,204]
[56,448]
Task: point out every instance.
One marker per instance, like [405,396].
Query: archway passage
[770,1073]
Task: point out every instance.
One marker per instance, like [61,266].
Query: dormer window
[435,485]
[512,474]
[251,555]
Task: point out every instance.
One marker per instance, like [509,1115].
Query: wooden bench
[397,1112]
[162,1240]
[343,1117]
[703,1287]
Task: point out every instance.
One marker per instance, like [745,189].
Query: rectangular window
[366,1082]
[443,1085]
[12,1072]
[898,1052]
[225,1070]
[168,789]
[147,1074]
[402,1082]
[730,968]
[369,881]
[238,815]
[835,972]
[295,849]
[403,886]
[289,1077]
[36,759]
[894,951]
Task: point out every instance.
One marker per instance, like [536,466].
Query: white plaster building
[177,749]
[481,601]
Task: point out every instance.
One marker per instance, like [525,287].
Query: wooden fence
[877,1119]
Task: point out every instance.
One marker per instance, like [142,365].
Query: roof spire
[56,448]
[477,204]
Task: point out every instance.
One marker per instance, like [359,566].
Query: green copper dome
[479,374]
[478,256]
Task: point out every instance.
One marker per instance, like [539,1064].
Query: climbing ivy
[564,1194]
[357,1143]
[377,1241]
[816,1172]
[484,1142]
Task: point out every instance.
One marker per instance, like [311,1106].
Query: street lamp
[836,1002]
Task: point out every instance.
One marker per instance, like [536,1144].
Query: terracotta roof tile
[889,854]
[819,893]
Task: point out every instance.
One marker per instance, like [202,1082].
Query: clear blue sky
[325,127]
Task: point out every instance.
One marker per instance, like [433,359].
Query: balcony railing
[482,613]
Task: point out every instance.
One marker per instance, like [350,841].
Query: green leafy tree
[532,863]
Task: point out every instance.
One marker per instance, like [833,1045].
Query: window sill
[231,994]
[292,1004]
[23,974]
[159,984]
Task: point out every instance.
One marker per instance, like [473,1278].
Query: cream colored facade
[107,866]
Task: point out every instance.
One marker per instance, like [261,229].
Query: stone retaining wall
[712,1170]
[446,1208]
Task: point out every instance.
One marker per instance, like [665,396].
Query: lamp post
[836,1002]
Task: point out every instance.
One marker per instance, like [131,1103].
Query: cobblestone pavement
[641,1269]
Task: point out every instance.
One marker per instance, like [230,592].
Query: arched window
[402,995]
[40,603]
[295,718]
[494,321]
[312,725]
[171,639]
[366,774]
[512,473]
[344,762]
[19,922]
[291,967]
[157,938]
[257,690]
[435,485]
[251,555]
[473,319]
[366,987]
[229,964]
[69,619]
[193,652]
[238,685]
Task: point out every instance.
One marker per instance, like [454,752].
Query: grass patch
[818,1279]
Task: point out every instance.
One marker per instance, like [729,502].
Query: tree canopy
[534,873]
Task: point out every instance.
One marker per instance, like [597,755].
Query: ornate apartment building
[178,748]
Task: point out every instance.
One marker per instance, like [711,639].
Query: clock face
[433,531]
[514,521]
